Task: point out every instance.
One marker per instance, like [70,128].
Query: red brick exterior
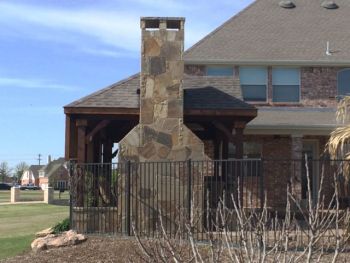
[195,70]
[318,85]
[318,88]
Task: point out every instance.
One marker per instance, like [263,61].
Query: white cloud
[34,84]
[113,32]
[163,4]
[109,53]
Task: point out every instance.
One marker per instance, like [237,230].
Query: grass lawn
[19,223]
[36,195]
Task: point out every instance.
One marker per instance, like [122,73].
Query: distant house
[54,174]
[31,175]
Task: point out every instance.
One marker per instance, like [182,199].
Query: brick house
[54,174]
[31,175]
[265,84]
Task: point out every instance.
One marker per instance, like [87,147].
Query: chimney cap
[154,22]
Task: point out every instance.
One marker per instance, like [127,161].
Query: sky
[53,52]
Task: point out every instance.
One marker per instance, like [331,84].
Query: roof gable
[266,32]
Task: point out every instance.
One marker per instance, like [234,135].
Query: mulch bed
[103,250]
[95,249]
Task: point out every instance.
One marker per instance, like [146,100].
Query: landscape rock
[45,232]
[68,238]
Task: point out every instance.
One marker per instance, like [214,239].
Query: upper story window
[219,71]
[344,82]
[286,84]
[253,83]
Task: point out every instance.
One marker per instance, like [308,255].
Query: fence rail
[115,198]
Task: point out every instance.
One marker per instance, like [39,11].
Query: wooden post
[81,158]
[81,124]
[239,127]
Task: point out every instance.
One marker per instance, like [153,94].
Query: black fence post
[189,188]
[128,182]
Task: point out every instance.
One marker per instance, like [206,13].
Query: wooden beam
[68,142]
[239,143]
[98,127]
[81,154]
[251,113]
[221,127]
[114,154]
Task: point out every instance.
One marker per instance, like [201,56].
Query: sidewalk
[24,202]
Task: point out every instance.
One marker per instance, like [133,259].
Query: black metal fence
[124,197]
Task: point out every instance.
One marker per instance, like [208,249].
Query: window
[231,151]
[253,83]
[253,152]
[344,82]
[219,71]
[286,84]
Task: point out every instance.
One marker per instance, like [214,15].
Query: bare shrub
[313,232]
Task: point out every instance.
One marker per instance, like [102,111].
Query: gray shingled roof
[265,32]
[289,118]
[202,92]
[35,169]
[53,166]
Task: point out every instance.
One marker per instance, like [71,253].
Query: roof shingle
[202,92]
[265,32]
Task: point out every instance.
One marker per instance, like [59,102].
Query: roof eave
[267,62]
[251,112]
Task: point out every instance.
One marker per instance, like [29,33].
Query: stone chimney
[161,134]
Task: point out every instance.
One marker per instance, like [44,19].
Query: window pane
[285,76]
[254,92]
[219,71]
[286,93]
[231,151]
[253,75]
[252,150]
[344,82]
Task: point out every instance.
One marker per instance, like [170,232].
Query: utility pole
[39,158]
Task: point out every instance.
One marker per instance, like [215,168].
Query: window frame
[339,72]
[220,67]
[299,84]
[266,84]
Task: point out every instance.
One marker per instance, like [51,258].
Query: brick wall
[318,84]
[195,70]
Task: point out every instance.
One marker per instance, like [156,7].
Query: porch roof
[292,119]
[201,93]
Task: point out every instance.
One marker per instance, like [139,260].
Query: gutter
[267,62]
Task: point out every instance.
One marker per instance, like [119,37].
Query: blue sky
[53,52]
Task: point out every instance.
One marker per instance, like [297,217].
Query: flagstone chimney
[161,134]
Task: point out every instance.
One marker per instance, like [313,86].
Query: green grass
[37,195]
[5,196]
[19,223]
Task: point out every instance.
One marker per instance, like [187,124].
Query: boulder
[68,238]
[45,232]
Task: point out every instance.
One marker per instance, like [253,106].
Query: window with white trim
[285,84]
[253,83]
